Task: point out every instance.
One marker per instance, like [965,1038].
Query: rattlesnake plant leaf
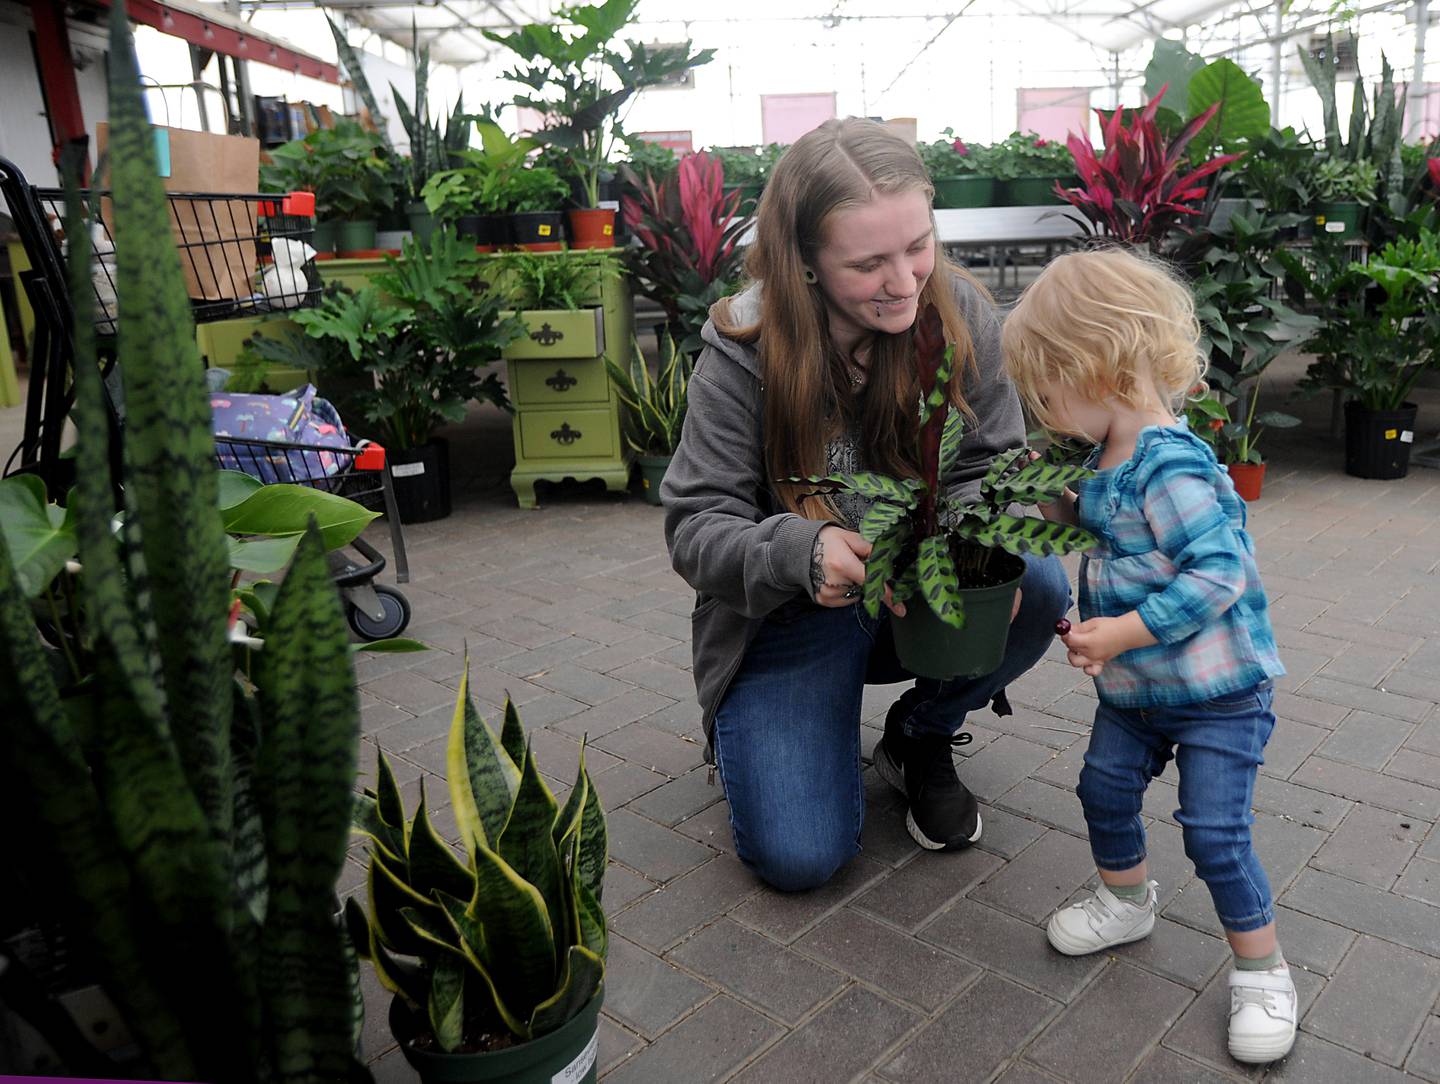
[512,734]
[527,845]
[446,1005]
[880,519]
[866,484]
[433,865]
[482,777]
[581,977]
[999,466]
[52,782]
[880,565]
[950,439]
[903,589]
[1029,534]
[169,451]
[937,582]
[518,932]
[1037,482]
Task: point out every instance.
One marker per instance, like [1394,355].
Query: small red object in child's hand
[1062,627]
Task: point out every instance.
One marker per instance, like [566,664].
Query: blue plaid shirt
[1173,547]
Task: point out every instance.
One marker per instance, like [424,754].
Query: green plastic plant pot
[1031,191]
[958,192]
[323,239]
[652,473]
[564,1055]
[1339,219]
[355,236]
[928,647]
[422,222]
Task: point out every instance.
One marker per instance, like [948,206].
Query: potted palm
[496,956]
[582,80]
[961,557]
[959,172]
[655,410]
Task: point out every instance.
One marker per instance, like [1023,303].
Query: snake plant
[510,941]
[184,824]
[925,541]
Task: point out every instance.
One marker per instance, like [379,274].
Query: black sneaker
[943,813]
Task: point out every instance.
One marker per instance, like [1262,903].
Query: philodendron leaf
[38,534]
[583,973]
[446,1006]
[283,510]
[1030,534]
[482,778]
[938,585]
[262,555]
[234,486]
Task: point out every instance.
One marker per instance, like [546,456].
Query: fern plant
[925,541]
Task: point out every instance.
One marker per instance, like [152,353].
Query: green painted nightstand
[567,415]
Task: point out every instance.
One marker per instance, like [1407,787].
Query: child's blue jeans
[1217,745]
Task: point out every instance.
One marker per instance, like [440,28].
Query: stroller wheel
[397,615]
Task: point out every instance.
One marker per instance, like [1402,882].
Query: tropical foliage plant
[510,943]
[341,165]
[480,180]
[431,150]
[689,231]
[654,405]
[925,541]
[186,825]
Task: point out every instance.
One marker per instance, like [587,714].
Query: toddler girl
[1175,631]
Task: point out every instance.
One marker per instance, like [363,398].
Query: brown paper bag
[215,235]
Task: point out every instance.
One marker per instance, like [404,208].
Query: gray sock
[1259,963]
[1136,894]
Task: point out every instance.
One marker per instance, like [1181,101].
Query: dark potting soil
[486,1042]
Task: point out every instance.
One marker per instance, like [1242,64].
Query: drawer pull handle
[547,335]
[565,435]
[561,381]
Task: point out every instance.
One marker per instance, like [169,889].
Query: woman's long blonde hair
[1104,323]
[808,396]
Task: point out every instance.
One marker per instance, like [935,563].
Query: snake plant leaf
[482,778]
[169,450]
[880,565]
[53,780]
[567,823]
[950,439]
[365,819]
[356,73]
[593,934]
[527,846]
[490,993]
[40,536]
[469,933]
[999,466]
[433,865]
[583,973]
[388,805]
[512,734]
[1030,534]
[392,645]
[434,928]
[446,1004]
[397,976]
[518,932]
[234,486]
[1037,482]
[388,894]
[284,510]
[880,519]
[592,851]
[937,580]
[251,874]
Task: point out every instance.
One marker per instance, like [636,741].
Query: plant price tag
[407,470]
[576,1070]
[1407,437]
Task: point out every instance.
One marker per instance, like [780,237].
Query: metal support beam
[1277,68]
[1419,90]
[57,76]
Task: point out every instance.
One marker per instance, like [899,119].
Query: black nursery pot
[1377,442]
[422,481]
[484,230]
[538,231]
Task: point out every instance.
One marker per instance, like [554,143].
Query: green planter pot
[422,222]
[749,195]
[564,1055]
[930,648]
[1339,219]
[358,236]
[652,473]
[1032,191]
[324,237]
[957,192]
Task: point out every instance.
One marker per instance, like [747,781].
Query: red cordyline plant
[1140,187]
[689,229]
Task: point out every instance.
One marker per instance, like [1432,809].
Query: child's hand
[1091,644]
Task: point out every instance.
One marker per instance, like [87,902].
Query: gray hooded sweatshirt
[728,533]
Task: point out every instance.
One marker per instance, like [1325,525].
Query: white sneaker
[1262,1014]
[1101,920]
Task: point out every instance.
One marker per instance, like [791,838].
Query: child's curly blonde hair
[1104,323]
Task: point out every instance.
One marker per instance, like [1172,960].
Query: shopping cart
[375,611]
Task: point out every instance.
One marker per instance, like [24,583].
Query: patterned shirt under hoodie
[1173,547]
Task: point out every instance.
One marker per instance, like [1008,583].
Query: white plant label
[1334,227]
[1407,437]
[407,470]
[576,1070]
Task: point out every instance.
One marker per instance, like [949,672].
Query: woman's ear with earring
[810,276]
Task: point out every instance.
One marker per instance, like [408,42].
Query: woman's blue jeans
[787,734]
[1218,745]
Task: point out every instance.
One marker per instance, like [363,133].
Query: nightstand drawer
[567,434]
[560,333]
[559,383]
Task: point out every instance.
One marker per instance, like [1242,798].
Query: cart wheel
[397,615]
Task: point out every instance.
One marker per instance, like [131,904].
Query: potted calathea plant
[496,958]
[184,822]
[960,557]
[654,410]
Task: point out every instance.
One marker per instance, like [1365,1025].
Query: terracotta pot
[1247,479]
[592,228]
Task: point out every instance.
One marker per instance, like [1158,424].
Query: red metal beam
[57,73]
[180,23]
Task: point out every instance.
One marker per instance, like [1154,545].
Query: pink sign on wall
[1422,111]
[784,118]
[1052,112]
